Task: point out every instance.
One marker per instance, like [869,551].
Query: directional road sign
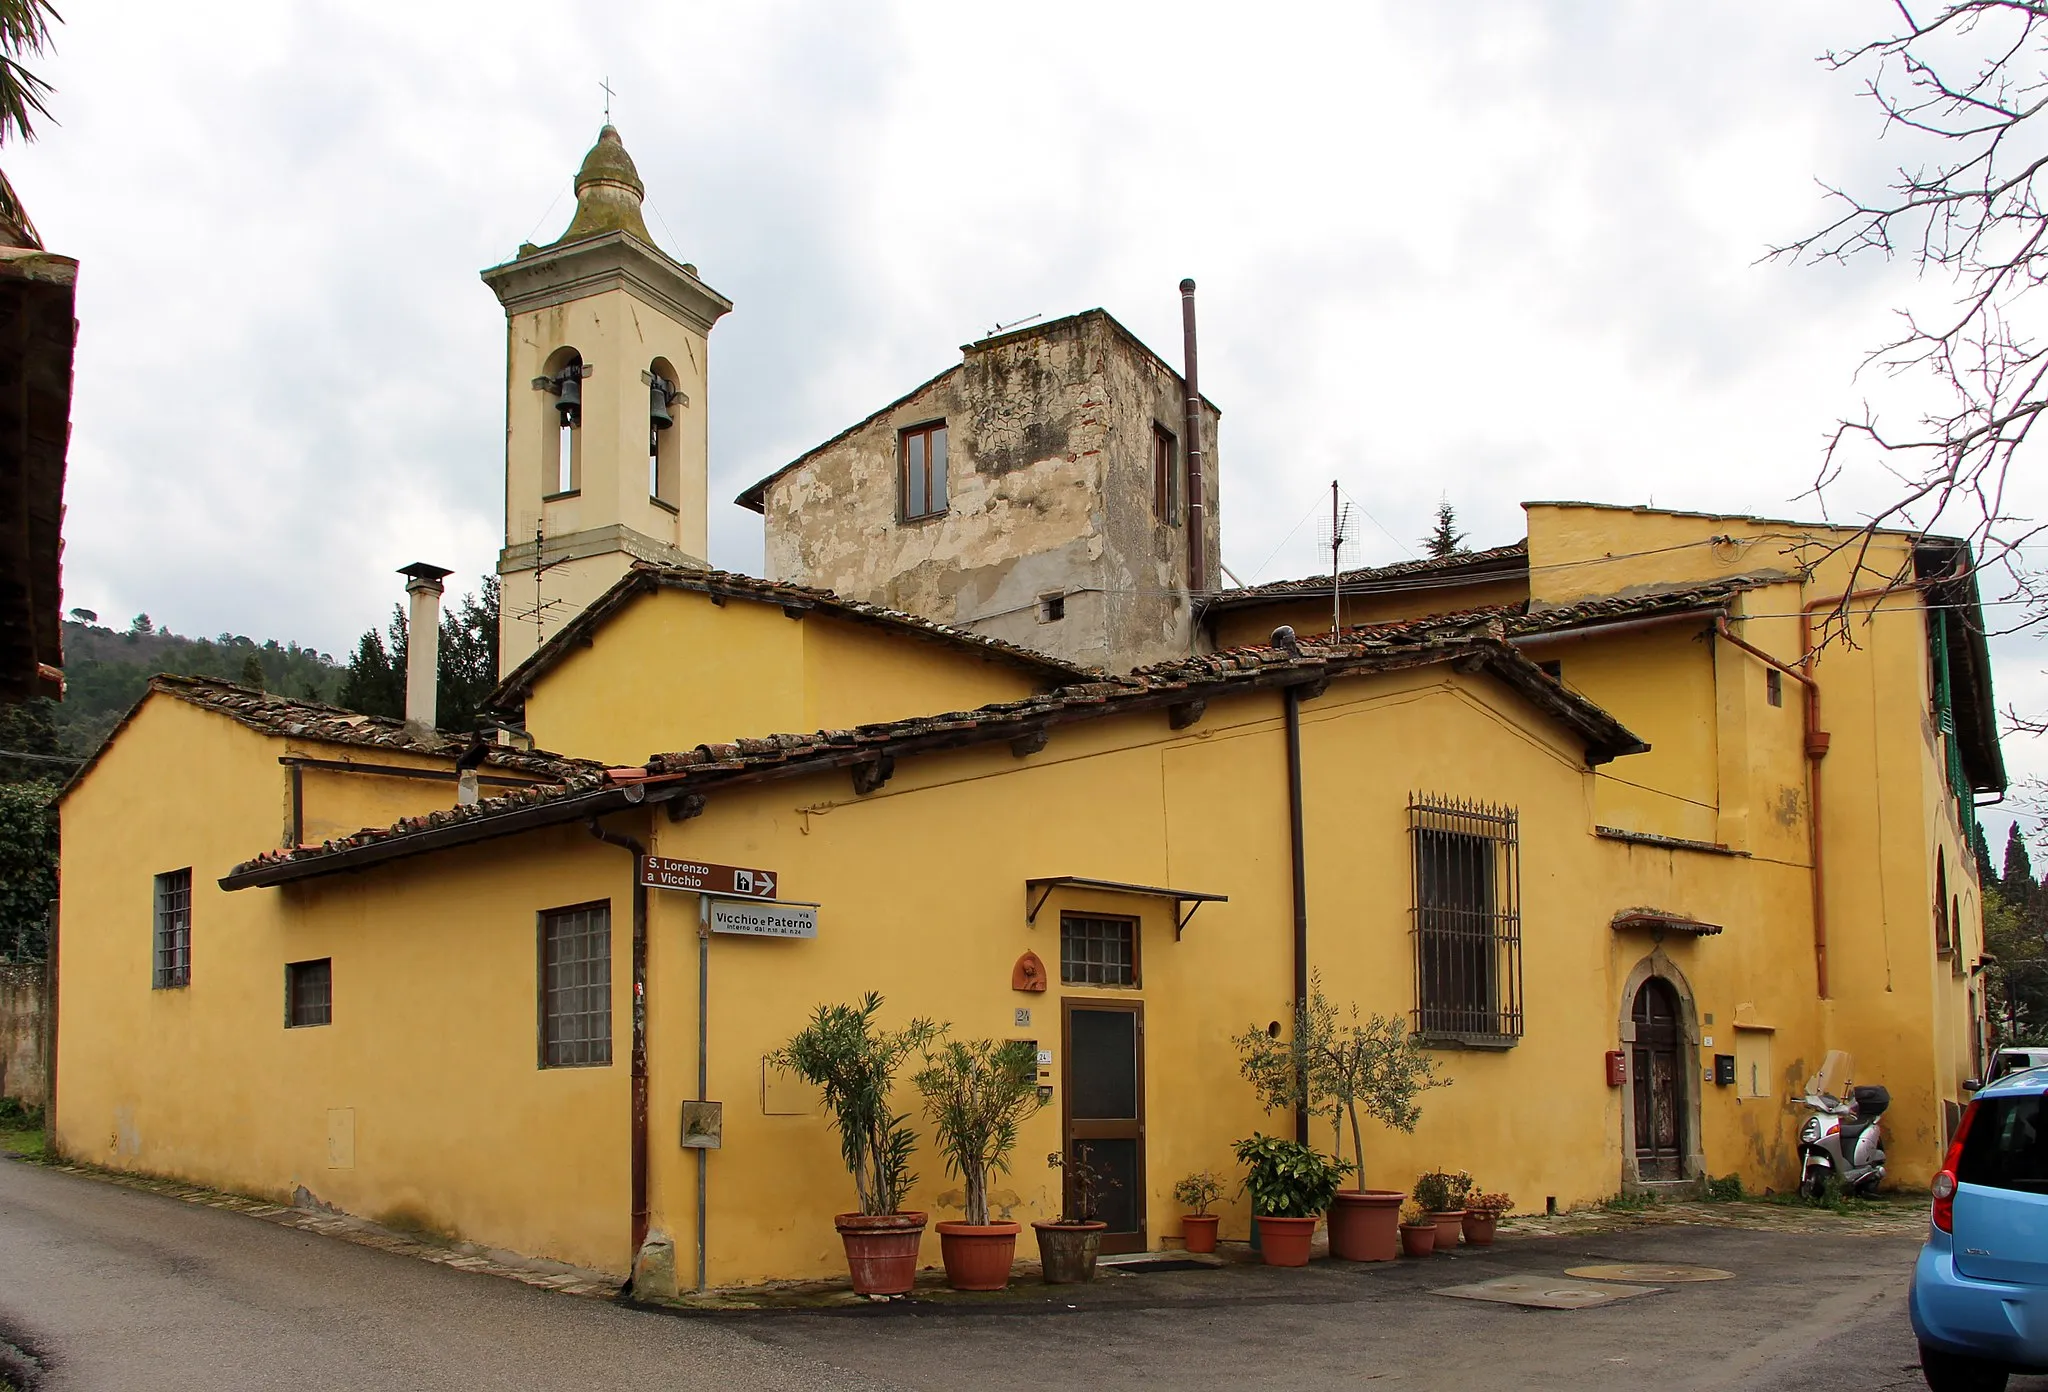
[662,872]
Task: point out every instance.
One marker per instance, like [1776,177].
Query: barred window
[1467,921]
[173,929]
[576,986]
[309,993]
[1098,951]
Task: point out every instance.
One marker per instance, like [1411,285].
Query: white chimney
[422,646]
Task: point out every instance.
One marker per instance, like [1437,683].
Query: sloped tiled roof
[646,578]
[286,716]
[1460,568]
[666,777]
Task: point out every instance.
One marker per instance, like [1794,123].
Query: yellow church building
[1690,795]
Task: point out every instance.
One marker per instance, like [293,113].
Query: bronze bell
[660,392]
[569,393]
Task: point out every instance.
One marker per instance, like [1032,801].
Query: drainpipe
[627,843]
[422,646]
[1292,695]
[1198,531]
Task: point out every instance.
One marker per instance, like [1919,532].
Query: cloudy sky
[1489,251]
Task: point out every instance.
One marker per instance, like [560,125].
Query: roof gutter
[1615,629]
[639,1111]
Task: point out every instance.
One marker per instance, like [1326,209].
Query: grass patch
[1631,1203]
[1726,1189]
[1834,1199]
[21,1129]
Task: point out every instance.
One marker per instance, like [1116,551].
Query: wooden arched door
[1659,1083]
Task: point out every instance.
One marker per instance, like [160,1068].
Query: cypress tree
[2018,879]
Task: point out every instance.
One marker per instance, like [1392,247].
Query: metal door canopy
[1650,1271]
[1546,1292]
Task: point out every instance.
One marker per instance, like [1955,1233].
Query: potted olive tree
[1198,1229]
[977,1095]
[1069,1244]
[854,1064]
[1291,1184]
[1336,1068]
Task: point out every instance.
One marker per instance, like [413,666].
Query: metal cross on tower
[606,85]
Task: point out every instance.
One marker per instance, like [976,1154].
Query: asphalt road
[113,1288]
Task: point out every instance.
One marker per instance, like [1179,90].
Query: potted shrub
[977,1095]
[854,1064]
[1436,1193]
[1069,1244]
[1198,1229]
[1291,1185]
[1418,1231]
[1482,1215]
[1334,1068]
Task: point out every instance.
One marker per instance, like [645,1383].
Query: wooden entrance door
[1105,1111]
[1659,1083]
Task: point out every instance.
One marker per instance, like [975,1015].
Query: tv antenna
[1013,324]
[1340,528]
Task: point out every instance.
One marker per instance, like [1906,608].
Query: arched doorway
[1657,1074]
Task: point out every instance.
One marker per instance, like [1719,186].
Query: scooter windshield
[1831,1084]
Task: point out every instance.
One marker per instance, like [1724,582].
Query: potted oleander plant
[1440,1197]
[1291,1184]
[1198,1229]
[1069,1244]
[977,1095]
[1418,1231]
[853,1062]
[1483,1213]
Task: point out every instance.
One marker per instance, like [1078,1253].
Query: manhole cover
[1650,1271]
[1546,1292]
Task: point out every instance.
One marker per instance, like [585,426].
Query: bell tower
[604,406]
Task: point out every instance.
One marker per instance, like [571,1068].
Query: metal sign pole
[703,1063]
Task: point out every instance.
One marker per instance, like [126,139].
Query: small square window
[1774,686]
[1098,951]
[1052,608]
[173,929]
[309,993]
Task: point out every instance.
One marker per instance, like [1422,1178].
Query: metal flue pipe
[1198,531]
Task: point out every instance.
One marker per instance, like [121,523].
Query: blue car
[1980,1289]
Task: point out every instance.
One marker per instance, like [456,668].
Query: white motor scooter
[1841,1140]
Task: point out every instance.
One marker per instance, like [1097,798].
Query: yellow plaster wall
[205,1083]
[673,670]
[1253,627]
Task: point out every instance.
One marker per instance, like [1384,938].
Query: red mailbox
[1617,1068]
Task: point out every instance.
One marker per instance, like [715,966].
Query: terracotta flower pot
[1198,1232]
[1479,1226]
[1449,1227]
[1365,1225]
[881,1250]
[1066,1251]
[1418,1239]
[1285,1241]
[978,1256]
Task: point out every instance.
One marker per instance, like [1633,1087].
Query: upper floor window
[1944,943]
[1467,921]
[921,479]
[1165,476]
[174,928]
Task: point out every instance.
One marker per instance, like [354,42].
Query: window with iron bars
[173,929]
[576,986]
[1467,925]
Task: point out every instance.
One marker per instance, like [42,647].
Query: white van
[2017,1058]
